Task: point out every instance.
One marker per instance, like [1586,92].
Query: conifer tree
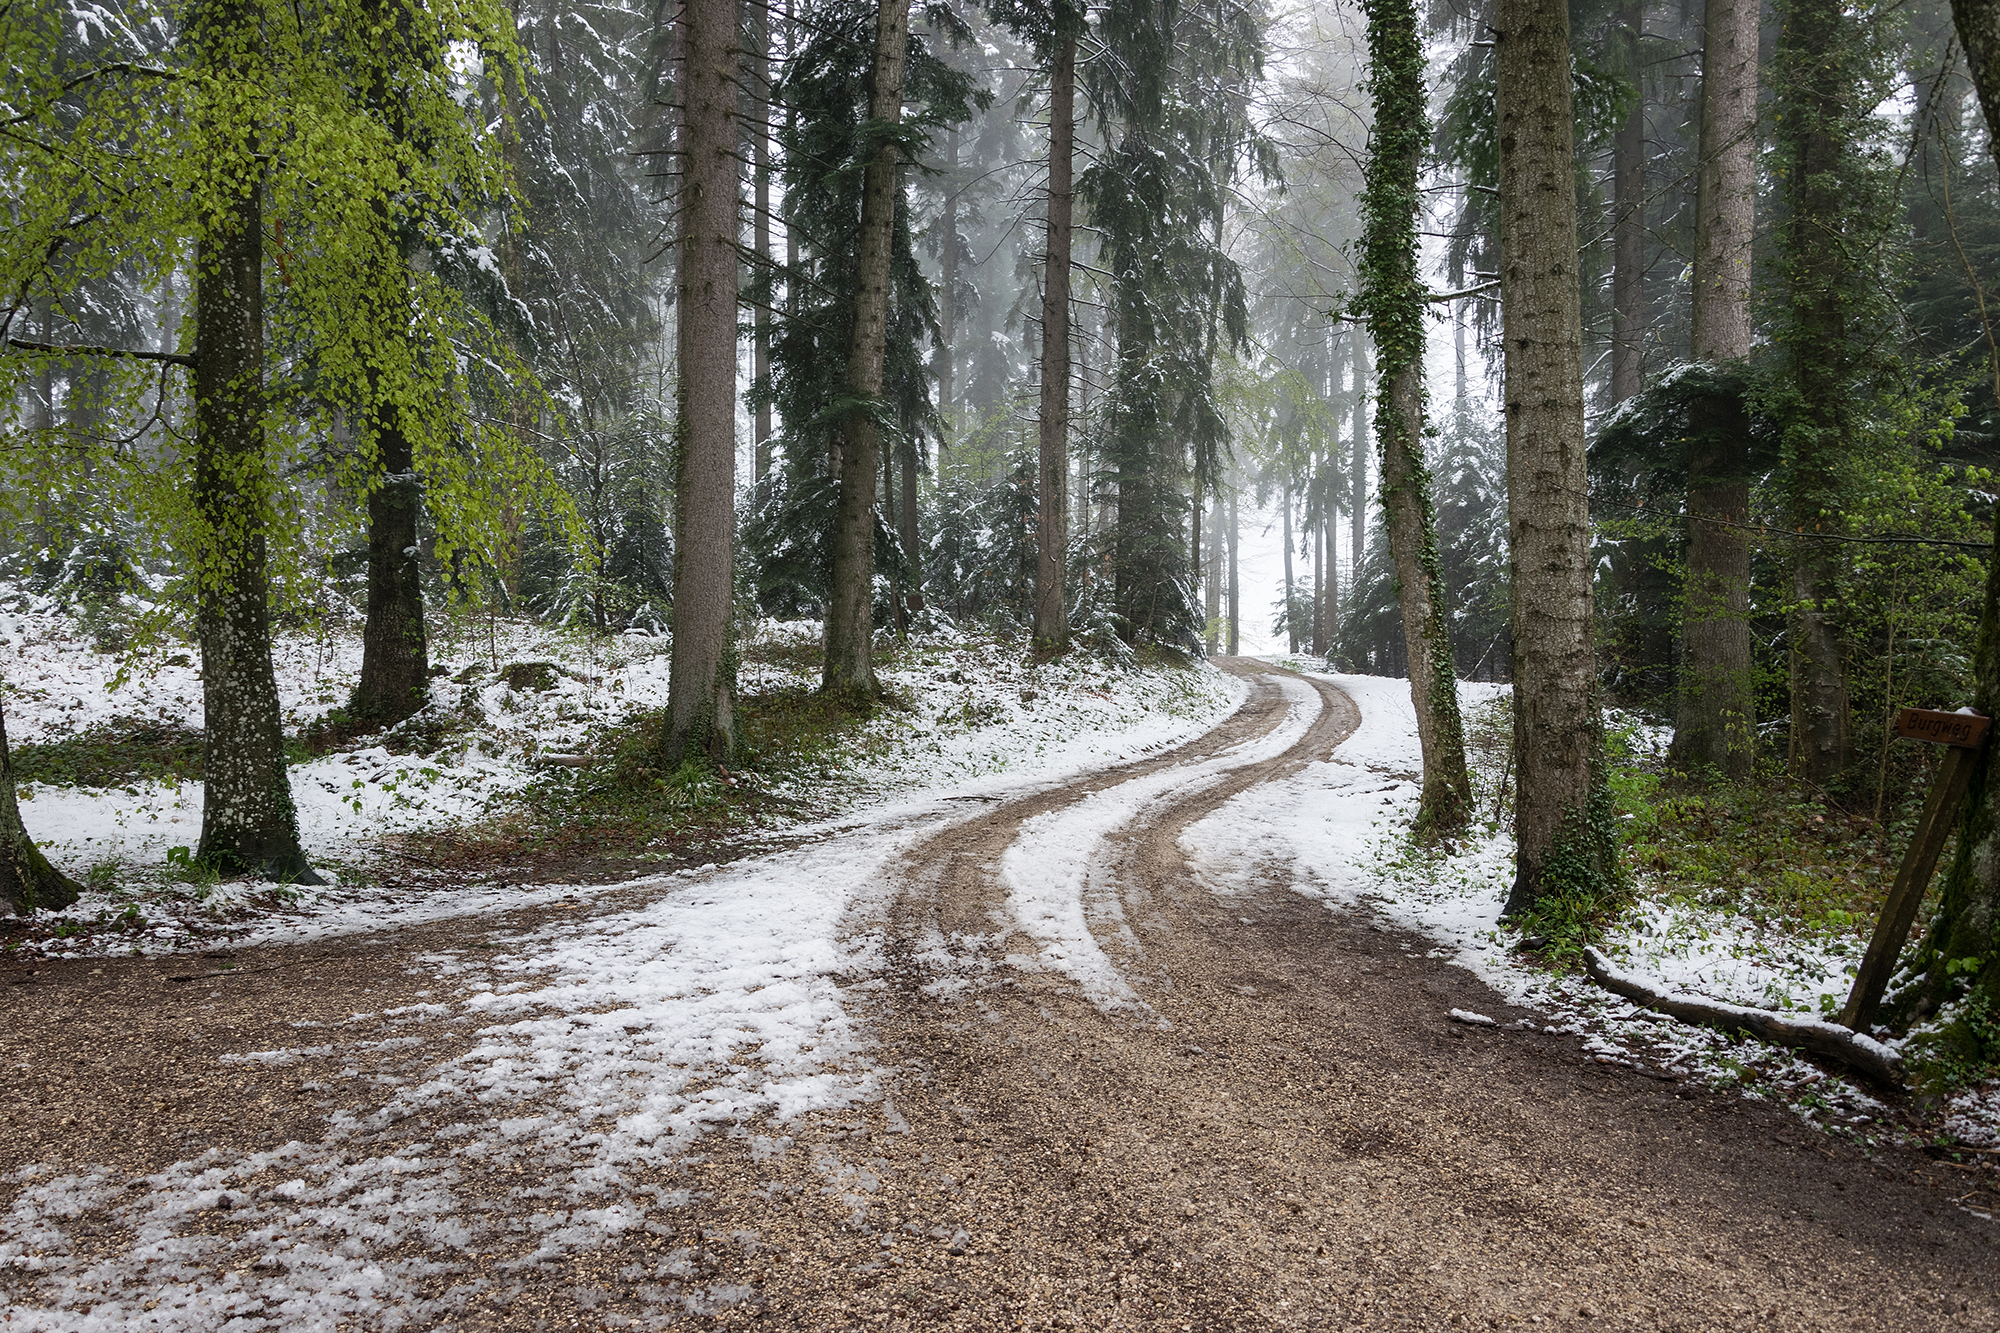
[1717,719]
[850,669]
[1566,853]
[701,678]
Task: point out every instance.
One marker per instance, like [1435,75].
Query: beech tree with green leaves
[290,157]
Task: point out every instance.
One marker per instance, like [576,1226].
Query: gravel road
[1278,1128]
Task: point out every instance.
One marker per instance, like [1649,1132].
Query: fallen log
[1858,1051]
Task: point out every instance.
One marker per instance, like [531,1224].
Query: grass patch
[1768,850]
[625,808]
[116,753]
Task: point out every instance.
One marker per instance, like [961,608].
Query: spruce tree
[701,679]
[1717,719]
[1565,844]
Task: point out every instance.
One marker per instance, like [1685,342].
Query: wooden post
[1965,733]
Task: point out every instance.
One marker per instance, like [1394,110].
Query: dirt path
[1268,1123]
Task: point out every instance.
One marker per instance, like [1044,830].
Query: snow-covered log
[1855,1049]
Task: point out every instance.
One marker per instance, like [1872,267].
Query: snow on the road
[1061,882]
[595,1050]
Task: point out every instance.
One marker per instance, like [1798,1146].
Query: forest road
[1115,1092]
[1287,1131]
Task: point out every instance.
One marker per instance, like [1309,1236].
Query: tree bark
[1321,598]
[1966,929]
[1291,607]
[1565,844]
[1816,86]
[760,228]
[395,650]
[1358,486]
[248,821]
[1393,299]
[1716,724]
[1628,207]
[1212,580]
[850,669]
[948,283]
[1235,583]
[701,678]
[28,883]
[912,541]
[1051,627]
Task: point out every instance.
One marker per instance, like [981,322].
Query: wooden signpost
[1965,733]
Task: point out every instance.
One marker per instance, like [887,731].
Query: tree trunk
[850,668]
[759,15]
[1566,853]
[1392,297]
[948,282]
[28,883]
[248,821]
[1717,717]
[1628,208]
[1212,583]
[395,651]
[1051,629]
[1358,486]
[1817,84]
[701,680]
[913,549]
[1291,607]
[1966,929]
[1322,600]
[1235,584]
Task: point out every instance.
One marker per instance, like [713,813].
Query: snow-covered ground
[601,1047]
[728,1001]
[968,709]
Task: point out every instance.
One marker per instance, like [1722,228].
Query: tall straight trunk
[1194,530]
[1212,581]
[948,283]
[913,550]
[1235,583]
[28,883]
[1358,486]
[1716,724]
[1966,928]
[1393,298]
[700,680]
[1566,853]
[1291,607]
[1051,629]
[760,228]
[1628,211]
[395,651]
[892,520]
[1817,84]
[850,668]
[248,821]
[1321,599]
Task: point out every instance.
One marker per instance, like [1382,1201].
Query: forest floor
[1076,1044]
